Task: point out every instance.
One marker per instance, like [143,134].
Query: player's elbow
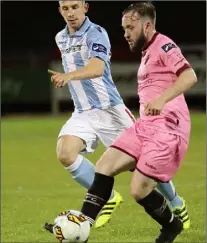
[97,66]
[193,76]
[96,72]
[99,71]
[190,76]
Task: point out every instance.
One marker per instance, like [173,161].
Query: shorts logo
[167,47]
[150,166]
[99,48]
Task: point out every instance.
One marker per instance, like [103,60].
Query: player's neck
[73,30]
[150,35]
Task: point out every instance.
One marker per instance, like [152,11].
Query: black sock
[97,196]
[156,206]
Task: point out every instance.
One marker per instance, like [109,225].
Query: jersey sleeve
[98,44]
[173,58]
[57,39]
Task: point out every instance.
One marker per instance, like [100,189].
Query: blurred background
[29,49]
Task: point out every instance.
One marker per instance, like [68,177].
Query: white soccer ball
[71,226]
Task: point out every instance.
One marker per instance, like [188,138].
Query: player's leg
[155,205]
[111,124]
[177,204]
[169,192]
[124,119]
[115,161]
[112,162]
[159,160]
[81,169]
[120,157]
[77,136]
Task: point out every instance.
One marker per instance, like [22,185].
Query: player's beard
[139,43]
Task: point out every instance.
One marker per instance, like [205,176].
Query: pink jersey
[162,62]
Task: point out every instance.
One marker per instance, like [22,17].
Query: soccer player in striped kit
[100,114]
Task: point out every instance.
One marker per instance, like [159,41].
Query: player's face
[134,29]
[73,12]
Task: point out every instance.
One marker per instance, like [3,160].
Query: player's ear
[146,26]
[60,10]
[86,7]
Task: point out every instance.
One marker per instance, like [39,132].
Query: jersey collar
[151,41]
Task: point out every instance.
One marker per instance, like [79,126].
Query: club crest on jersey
[99,48]
[167,47]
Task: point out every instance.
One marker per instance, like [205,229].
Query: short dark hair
[143,9]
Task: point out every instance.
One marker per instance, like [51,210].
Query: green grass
[35,187]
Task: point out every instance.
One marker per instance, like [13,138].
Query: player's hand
[59,79]
[154,107]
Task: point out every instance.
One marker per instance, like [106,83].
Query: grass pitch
[35,187]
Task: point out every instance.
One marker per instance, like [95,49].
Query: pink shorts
[158,154]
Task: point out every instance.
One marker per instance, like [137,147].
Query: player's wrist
[163,99]
[69,77]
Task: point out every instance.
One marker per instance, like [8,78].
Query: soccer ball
[71,226]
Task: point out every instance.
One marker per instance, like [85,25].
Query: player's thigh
[123,157]
[79,129]
[159,157]
[114,161]
[112,122]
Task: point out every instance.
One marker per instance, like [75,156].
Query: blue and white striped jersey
[90,40]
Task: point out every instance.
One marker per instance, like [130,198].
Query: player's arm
[96,65]
[94,69]
[98,54]
[172,57]
[183,83]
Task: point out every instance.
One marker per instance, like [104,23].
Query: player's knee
[113,162]
[66,153]
[102,167]
[139,190]
[66,157]
[136,194]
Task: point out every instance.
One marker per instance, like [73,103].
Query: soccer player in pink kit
[157,142]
